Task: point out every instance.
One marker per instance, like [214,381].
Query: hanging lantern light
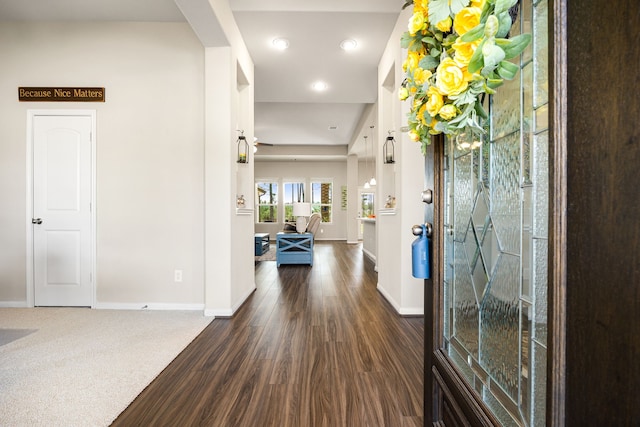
[388,149]
[243,148]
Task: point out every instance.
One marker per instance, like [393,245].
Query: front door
[62,230]
[486,355]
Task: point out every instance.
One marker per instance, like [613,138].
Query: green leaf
[480,111]
[477,61]
[488,90]
[428,63]
[438,10]
[504,5]
[463,116]
[450,39]
[514,47]
[491,27]
[473,34]
[436,33]
[486,11]
[492,56]
[505,24]
[405,40]
[429,40]
[494,83]
[407,4]
[507,70]
[466,97]
[441,127]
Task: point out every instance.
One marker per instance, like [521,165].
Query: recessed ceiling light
[319,86]
[281,44]
[348,44]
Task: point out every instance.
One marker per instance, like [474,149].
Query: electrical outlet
[177,276]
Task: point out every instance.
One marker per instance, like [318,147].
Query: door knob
[416,230]
[36,220]
[427,196]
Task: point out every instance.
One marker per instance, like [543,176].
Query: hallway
[311,347]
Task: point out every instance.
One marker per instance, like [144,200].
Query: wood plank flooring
[313,346]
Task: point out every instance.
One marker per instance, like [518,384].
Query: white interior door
[62,231]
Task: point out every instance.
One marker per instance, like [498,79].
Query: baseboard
[388,297]
[228,313]
[402,311]
[371,256]
[244,299]
[412,312]
[218,313]
[14,304]
[353,242]
[148,306]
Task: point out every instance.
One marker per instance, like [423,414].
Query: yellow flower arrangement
[458,51]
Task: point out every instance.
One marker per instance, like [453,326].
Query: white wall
[404,180]
[308,171]
[149,152]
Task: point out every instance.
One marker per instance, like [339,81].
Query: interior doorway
[366,207]
[61,208]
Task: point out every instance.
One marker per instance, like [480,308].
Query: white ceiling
[287,110]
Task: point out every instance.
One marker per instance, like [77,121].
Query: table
[261,243]
[294,248]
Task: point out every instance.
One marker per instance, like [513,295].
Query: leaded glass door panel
[494,242]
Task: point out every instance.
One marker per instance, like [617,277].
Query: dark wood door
[489,342]
[593,338]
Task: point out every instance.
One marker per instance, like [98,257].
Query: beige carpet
[82,367]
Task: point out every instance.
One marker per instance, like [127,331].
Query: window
[322,199]
[267,197]
[293,193]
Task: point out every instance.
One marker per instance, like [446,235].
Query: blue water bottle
[420,253]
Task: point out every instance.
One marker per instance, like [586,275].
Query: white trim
[244,211]
[14,304]
[370,255]
[387,211]
[216,312]
[410,311]
[388,297]
[243,299]
[148,306]
[29,203]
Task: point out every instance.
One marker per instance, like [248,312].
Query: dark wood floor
[313,346]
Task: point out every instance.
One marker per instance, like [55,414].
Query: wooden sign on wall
[61,94]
